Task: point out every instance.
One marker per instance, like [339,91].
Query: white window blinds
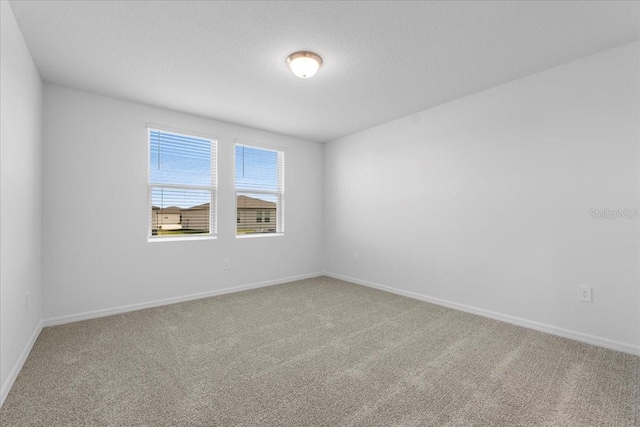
[259,190]
[182,185]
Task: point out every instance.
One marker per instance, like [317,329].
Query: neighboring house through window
[182,185]
[259,181]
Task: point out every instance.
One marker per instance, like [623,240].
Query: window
[259,190]
[182,185]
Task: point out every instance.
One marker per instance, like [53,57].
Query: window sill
[180,238]
[251,236]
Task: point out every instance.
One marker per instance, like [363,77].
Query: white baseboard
[133,307]
[6,387]
[549,329]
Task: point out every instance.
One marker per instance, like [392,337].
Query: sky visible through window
[256,169]
[185,160]
[179,160]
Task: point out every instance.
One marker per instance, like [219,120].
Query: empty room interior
[320,213]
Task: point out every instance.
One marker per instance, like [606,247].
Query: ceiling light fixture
[304,64]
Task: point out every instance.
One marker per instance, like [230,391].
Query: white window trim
[156,239]
[254,235]
[213,205]
[279,194]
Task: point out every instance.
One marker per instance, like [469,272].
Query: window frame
[213,188]
[280,193]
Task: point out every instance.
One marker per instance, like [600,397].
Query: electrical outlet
[226,265]
[584,293]
[26,302]
[355,257]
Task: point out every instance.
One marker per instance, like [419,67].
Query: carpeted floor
[318,352]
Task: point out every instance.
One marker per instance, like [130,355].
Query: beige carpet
[318,352]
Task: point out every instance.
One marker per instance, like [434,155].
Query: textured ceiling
[382,60]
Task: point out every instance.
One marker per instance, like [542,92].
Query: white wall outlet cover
[584,293]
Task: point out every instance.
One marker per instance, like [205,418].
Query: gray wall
[485,201]
[95,163]
[20,216]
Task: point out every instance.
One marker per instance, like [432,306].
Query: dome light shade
[304,64]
